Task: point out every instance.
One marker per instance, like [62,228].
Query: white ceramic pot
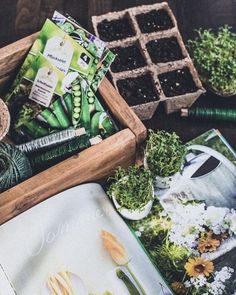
[165,182]
[134,214]
[161,182]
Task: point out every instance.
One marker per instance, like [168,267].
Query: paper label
[43,87]
[84,61]
[59,52]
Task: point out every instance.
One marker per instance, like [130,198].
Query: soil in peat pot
[138,90]
[177,82]
[128,58]
[164,50]
[154,21]
[115,29]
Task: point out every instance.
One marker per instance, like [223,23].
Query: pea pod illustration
[91,100]
[67,27]
[60,113]
[94,104]
[50,118]
[97,105]
[95,124]
[101,124]
[107,126]
[35,129]
[85,114]
[69,103]
[77,94]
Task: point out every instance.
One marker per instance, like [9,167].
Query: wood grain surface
[19,18]
[91,165]
[121,110]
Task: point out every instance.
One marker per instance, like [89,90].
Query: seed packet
[92,43]
[102,55]
[62,51]
[46,100]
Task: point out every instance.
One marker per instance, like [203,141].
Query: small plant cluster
[164,153]
[132,187]
[214,56]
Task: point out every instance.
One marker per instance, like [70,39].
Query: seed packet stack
[55,87]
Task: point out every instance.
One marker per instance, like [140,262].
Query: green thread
[14,166]
[213,114]
[58,153]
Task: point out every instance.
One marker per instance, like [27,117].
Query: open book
[77,242]
[60,240]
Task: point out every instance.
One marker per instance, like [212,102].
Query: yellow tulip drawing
[115,248]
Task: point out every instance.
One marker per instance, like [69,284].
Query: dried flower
[114,248]
[208,244]
[179,288]
[199,266]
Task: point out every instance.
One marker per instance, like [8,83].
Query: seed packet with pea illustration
[62,51]
[103,57]
[46,100]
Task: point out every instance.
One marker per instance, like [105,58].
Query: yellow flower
[179,288]
[208,244]
[114,248]
[199,266]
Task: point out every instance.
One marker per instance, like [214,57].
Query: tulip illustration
[115,248]
[119,254]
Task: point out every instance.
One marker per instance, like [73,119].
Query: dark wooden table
[19,18]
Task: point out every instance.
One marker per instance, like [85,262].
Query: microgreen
[132,187]
[164,153]
[214,56]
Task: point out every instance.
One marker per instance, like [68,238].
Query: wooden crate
[90,165]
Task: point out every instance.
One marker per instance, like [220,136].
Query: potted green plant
[132,192]
[214,56]
[164,157]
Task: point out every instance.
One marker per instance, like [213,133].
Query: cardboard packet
[102,55]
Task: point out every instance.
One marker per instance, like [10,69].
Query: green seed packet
[46,100]
[61,50]
[103,57]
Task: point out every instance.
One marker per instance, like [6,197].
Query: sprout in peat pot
[132,192]
[164,157]
[214,56]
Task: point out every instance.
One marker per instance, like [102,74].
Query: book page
[60,240]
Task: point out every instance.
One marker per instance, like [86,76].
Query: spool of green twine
[14,166]
[210,114]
